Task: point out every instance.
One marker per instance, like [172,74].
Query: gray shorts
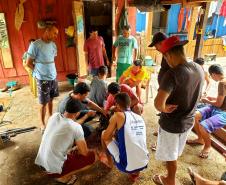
[47,90]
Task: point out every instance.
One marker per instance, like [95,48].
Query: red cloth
[180,19]
[223,9]
[124,88]
[94,48]
[75,162]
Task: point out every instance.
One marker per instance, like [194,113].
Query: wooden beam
[201,29]
[185,2]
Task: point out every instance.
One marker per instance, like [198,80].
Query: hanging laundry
[223,9]
[223,12]
[187,19]
[212,9]
[180,19]
[172,21]
[219,4]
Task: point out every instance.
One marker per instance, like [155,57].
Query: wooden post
[201,29]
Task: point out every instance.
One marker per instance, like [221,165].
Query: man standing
[95,52]
[157,40]
[179,91]
[125,43]
[41,54]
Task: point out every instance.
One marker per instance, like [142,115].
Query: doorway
[98,13]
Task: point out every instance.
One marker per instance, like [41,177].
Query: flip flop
[192,176]
[72,180]
[153,147]
[157,179]
[155,133]
[204,154]
[193,142]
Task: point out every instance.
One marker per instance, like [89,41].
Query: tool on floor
[6,135]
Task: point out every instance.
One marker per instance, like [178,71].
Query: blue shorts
[213,118]
[47,90]
[113,150]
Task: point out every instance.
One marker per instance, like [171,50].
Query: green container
[72,78]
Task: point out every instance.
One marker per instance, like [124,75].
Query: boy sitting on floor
[56,154]
[98,87]
[113,89]
[125,139]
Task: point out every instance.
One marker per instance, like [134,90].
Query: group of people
[64,151]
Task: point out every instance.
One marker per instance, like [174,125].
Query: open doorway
[98,13]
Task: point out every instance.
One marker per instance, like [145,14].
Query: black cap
[158,37]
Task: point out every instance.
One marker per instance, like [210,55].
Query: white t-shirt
[59,136]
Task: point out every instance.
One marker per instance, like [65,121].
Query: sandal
[72,180]
[157,179]
[204,154]
[153,147]
[192,176]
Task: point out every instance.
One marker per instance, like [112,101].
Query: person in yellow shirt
[134,76]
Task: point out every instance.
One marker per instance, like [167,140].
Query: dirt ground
[17,157]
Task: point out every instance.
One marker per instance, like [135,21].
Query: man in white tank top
[125,139]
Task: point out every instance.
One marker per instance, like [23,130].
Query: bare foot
[134,176]
[195,142]
[104,159]
[67,180]
[196,178]
[162,180]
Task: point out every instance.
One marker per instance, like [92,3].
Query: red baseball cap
[171,42]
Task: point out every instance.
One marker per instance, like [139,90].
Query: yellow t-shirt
[142,75]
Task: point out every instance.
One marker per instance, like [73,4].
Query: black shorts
[47,90]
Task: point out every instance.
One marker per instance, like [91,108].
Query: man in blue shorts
[41,54]
[213,116]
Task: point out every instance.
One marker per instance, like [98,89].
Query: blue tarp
[173,19]
[140,21]
[173,23]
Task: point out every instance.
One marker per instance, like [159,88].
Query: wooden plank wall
[35,10]
[210,46]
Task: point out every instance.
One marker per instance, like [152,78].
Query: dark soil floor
[17,157]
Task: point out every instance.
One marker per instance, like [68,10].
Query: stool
[32,81]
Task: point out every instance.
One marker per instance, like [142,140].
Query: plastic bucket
[148,61]
[72,78]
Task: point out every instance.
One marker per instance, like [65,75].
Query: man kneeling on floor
[56,153]
[125,139]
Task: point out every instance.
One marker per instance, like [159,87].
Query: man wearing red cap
[178,94]
[157,40]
